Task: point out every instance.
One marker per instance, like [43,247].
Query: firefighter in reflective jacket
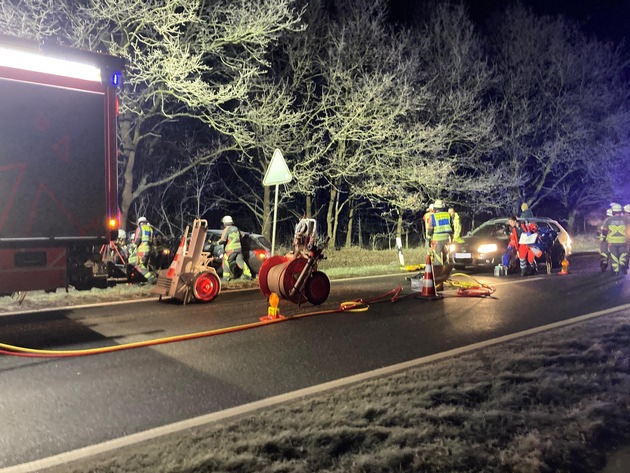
[143,239]
[603,244]
[233,263]
[614,229]
[440,229]
[457,225]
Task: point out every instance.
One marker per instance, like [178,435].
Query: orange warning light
[273,312]
[274,300]
[113,223]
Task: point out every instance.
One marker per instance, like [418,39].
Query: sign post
[277,173]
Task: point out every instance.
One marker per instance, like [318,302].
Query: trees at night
[375,122]
[186,60]
[563,111]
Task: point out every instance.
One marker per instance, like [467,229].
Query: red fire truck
[58,176]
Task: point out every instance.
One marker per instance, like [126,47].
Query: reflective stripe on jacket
[457,226]
[615,229]
[232,238]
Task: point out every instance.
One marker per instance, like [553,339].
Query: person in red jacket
[511,254]
[529,249]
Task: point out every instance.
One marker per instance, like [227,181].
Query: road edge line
[226,414]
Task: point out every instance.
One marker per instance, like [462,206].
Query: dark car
[256,249]
[485,246]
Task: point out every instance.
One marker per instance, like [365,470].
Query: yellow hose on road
[466,289]
[7,349]
[469,289]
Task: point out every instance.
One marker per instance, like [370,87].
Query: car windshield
[490,230]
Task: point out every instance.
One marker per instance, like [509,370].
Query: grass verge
[553,402]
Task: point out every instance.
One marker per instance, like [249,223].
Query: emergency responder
[426,221]
[526,212]
[440,230]
[457,226]
[614,229]
[528,248]
[513,231]
[603,244]
[233,263]
[143,241]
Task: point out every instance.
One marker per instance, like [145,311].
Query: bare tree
[186,59]
[563,109]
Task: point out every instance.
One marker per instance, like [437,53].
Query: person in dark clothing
[526,212]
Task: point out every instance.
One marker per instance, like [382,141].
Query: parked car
[485,246]
[256,249]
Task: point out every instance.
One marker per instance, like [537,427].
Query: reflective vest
[232,238]
[144,235]
[615,229]
[147,233]
[457,226]
[441,226]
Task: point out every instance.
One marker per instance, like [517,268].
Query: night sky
[607,19]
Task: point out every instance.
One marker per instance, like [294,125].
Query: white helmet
[142,220]
[608,212]
[626,208]
[438,204]
[616,208]
[227,220]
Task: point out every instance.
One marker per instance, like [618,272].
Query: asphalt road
[50,406]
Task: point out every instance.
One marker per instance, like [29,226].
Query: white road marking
[111,445]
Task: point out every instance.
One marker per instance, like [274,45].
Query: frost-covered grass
[360,262]
[585,243]
[338,264]
[554,402]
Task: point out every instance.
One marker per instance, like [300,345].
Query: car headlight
[452,248]
[489,248]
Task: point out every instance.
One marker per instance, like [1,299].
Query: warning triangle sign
[277,172]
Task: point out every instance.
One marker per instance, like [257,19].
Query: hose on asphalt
[469,289]
[6,349]
[465,289]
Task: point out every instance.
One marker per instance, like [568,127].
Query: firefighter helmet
[142,220]
[626,208]
[616,208]
[227,220]
[438,204]
[608,212]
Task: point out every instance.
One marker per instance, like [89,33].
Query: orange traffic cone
[180,254]
[428,283]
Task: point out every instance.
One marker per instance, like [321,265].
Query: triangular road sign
[277,172]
